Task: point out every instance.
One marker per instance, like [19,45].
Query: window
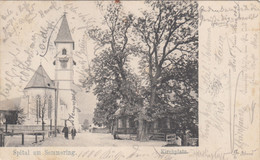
[50,107]
[64,51]
[38,108]
[120,123]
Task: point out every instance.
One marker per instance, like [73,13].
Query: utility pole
[56,109]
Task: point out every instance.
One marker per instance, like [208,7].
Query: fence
[34,133]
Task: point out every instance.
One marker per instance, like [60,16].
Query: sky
[27,40]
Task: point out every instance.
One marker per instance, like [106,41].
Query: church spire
[64,35]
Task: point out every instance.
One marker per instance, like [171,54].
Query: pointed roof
[40,79]
[64,34]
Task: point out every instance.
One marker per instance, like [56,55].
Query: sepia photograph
[141,71]
[118,79]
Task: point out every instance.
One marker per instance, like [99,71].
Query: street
[84,139]
[87,139]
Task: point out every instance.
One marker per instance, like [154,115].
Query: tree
[41,108]
[110,74]
[169,50]
[85,125]
[20,115]
[43,112]
[165,38]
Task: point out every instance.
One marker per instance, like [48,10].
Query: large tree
[110,73]
[168,34]
[166,39]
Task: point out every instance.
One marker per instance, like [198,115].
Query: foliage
[169,49]
[20,116]
[113,80]
[85,125]
[165,38]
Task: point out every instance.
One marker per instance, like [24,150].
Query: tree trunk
[153,94]
[43,120]
[142,129]
[42,125]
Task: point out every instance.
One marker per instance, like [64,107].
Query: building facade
[38,102]
[54,101]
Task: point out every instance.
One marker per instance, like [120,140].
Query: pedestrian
[73,132]
[66,132]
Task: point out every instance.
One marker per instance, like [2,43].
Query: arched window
[49,107]
[64,51]
[38,108]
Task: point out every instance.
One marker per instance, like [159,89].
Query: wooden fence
[23,134]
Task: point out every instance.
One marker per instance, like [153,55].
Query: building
[64,73]
[125,125]
[49,102]
[39,99]
[9,110]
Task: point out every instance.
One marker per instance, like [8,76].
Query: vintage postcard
[118,79]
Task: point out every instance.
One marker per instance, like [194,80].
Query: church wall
[35,96]
[66,97]
[65,85]
[64,75]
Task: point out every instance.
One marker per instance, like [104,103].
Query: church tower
[64,56]
[64,64]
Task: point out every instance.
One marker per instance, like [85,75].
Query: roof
[64,34]
[40,79]
[118,112]
[124,112]
[10,104]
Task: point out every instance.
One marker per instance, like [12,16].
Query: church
[53,102]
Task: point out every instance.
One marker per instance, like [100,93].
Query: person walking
[66,132]
[73,132]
